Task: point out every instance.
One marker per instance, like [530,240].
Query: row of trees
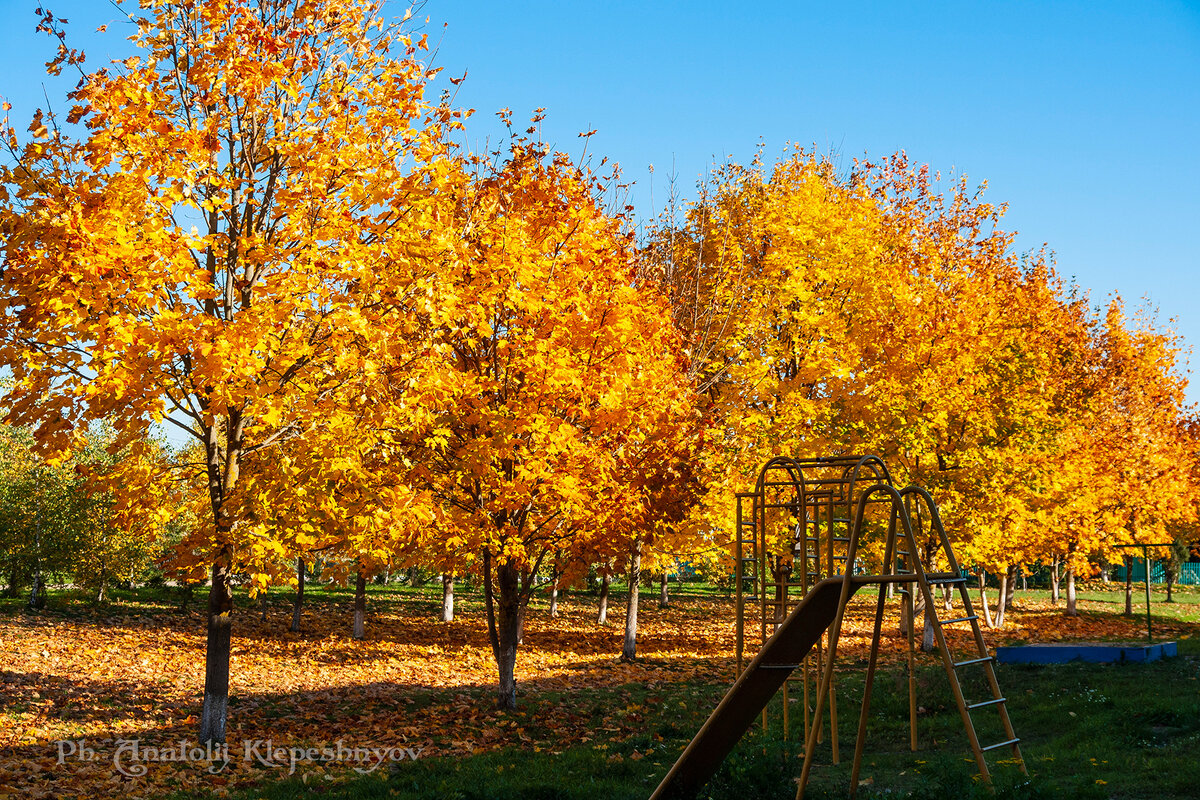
[871,312]
[57,519]
[261,232]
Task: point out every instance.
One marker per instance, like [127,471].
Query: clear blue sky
[1084,117]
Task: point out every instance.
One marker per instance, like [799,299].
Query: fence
[1189,572]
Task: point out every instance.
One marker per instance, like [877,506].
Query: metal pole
[739,575]
[1146,560]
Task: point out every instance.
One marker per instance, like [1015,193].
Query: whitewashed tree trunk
[1072,610]
[629,646]
[447,597]
[602,613]
[299,595]
[360,605]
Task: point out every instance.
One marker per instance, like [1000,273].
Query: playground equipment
[803,537]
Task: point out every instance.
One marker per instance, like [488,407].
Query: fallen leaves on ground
[414,687]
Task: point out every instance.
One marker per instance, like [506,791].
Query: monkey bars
[809,532]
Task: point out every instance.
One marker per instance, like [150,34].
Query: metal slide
[762,678]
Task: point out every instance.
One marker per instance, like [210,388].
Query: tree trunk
[554,596]
[522,607]
[222,479]
[262,605]
[780,572]
[1072,609]
[1024,580]
[1011,583]
[663,600]
[14,582]
[503,612]
[1000,599]
[602,615]
[928,642]
[1172,564]
[629,647]
[100,593]
[299,596]
[1129,586]
[983,601]
[360,605]
[37,594]
[1054,582]
[447,597]
[416,578]
[216,657]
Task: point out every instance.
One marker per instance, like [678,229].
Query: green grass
[155,598]
[1110,598]
[1087,730]
[577,774]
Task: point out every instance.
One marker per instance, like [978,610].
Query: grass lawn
[588,726]
[1089,731]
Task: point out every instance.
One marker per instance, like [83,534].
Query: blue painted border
[1094,653]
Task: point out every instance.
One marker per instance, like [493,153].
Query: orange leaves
[134,672]
[534,323]
[876,313]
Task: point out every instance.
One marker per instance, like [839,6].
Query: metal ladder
[979,659]
[907,571]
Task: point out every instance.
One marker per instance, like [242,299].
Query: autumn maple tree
[221,228]
[388,351]
[548,359]
[878,311]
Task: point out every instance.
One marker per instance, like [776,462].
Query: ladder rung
[987,703]
[778,666]
[945,577]
[959,619]
[973,661]
[840,519]
[996,746]
[841,538]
